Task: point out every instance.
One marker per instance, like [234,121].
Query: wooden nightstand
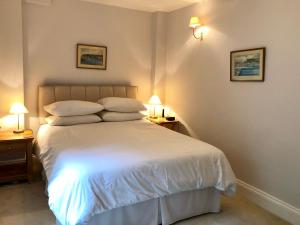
[16,156]
[172,125]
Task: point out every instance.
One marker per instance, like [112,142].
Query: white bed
[131,173]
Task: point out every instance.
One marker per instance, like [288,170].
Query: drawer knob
[11,148]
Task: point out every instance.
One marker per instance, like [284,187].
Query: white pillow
[73,108]
[117,116]
[115,104]
[72,120]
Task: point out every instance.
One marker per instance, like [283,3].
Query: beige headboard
[53,93]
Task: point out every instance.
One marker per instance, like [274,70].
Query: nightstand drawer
[171,126]
[12,152]
[16,156]
[18,170]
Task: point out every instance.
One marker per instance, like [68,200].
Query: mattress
[94,168]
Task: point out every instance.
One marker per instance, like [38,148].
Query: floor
[26,204]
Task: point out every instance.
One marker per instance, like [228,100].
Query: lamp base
[18,131]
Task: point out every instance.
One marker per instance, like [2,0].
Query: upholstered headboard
[53,93]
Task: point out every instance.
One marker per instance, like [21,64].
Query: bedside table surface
[161,120]
[10,136]
[171,125]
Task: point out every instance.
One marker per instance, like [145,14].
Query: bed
[126,173]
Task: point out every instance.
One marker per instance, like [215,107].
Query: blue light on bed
[74,178]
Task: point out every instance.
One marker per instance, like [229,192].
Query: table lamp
[18,109]
[154,101]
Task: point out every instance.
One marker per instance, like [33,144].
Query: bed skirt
[165,211]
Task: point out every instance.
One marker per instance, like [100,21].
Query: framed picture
[248,65]
[91,57]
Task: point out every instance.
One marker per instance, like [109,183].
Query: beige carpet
[26,204]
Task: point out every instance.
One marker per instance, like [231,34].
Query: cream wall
[255,124]
[11,59]
[159,54]
[50,38]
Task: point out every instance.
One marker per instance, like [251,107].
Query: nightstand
[172,125]
[16,156]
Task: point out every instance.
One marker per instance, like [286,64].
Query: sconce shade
[194,22]
[18,108]
[154,100]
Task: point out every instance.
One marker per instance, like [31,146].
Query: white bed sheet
[93,168]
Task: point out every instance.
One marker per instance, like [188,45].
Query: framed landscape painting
[248,65]
[91,57]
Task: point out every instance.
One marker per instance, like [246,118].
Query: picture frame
[248,65]
[91,57]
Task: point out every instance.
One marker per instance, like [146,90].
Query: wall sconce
[198,29]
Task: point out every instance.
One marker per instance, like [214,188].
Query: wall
[11,59]
[255,124]
[159,54]
[50,38]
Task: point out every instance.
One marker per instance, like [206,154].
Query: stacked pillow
[72,112]
[72,120]
[121,109]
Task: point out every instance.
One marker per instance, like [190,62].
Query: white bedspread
[92,168]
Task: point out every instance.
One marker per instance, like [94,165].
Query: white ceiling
[147,5]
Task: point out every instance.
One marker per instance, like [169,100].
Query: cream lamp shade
[17,109]
[154,100]
[194,22]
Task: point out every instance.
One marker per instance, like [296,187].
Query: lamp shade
[18,108]
[154,100]
[194,22]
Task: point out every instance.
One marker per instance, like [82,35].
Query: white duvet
[92,168]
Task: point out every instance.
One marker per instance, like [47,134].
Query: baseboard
[272,204]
